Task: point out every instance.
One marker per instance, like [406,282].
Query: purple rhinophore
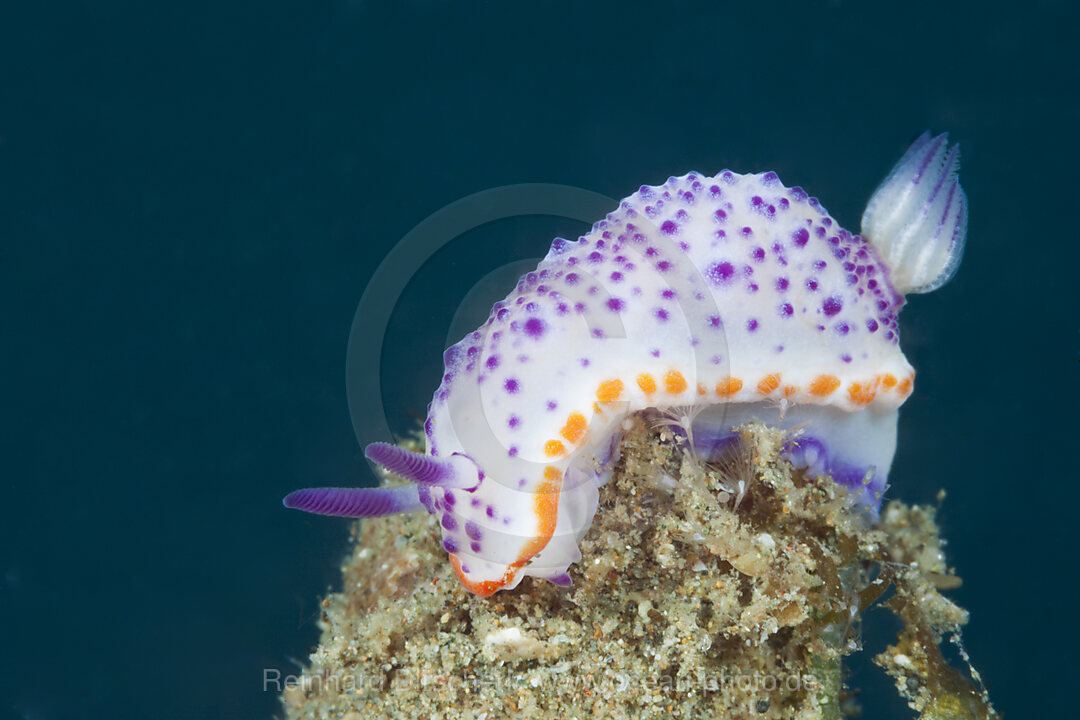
[413,466]
[355,502]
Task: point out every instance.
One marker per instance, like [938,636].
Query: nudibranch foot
[854,448]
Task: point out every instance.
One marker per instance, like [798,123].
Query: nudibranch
[727,295]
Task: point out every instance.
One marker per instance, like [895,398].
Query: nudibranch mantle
[732,292]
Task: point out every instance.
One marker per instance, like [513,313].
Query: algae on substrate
[695,597]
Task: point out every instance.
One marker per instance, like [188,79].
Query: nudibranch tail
[917,217]
[355,502]
[423,469]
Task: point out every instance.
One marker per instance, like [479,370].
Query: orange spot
[554,448]
[646,383]
[790,390]
[609,391]
[904,386]
[862,393]
[701,389]
[824,385]
[768,384]
[574,429]
[888,380]
[546,508]
[596,408]
[728,386]
[674,382]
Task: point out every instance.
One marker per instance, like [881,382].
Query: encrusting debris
[690,601]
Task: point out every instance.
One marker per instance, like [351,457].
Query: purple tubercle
[720,273]
[534,327]
[355,502]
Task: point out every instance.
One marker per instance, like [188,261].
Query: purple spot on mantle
[720,273]
[669,227]
[615,305]
[534,327]
[751,324]
[511,385]
[832,305]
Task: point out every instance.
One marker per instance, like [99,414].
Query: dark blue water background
[193,197]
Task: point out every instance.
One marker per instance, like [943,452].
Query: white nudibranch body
[730,291]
